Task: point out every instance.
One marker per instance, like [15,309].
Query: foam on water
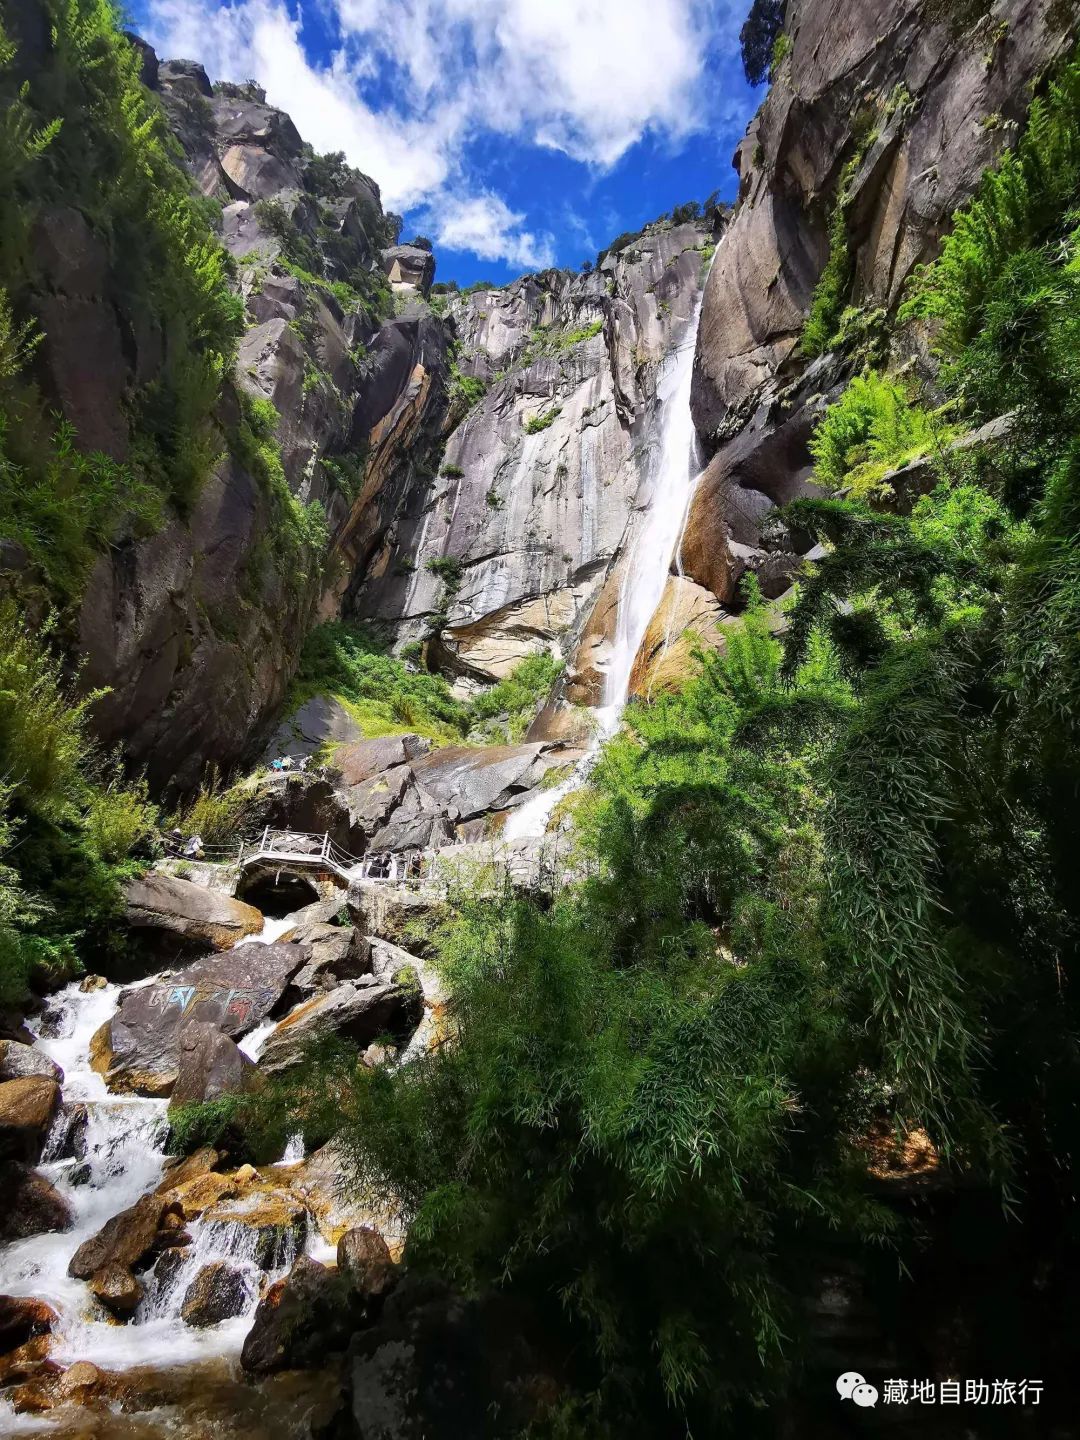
[124,1159]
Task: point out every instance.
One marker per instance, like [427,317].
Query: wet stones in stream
[138,1050]
[217,1293]
[18,1060]
[21,1319]
[32,1204]
[210,1065]
[27,1108]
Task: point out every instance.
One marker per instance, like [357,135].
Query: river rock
[21,1318]
[27,1361]
[358,1010]
[439,1364]
[17,1061]
[67,1141]
[32,1205]
[367,758]
[139,1049]
[398,915]
[117,1289]
[210,1065]
[189,1167]
[217,1293]
[298,1322]
[338,953]
[364,1256]
[192,914]
[126,1239]
[27,1107]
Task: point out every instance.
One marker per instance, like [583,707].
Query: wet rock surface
[32,1204]
[299,1320]
[217,1293]
[27,1107]
[21,1319]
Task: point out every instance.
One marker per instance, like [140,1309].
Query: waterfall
[653,548]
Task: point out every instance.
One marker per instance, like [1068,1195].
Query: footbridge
[320,854]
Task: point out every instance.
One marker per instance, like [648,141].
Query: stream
[123,1158]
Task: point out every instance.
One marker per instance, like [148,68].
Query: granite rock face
[540,477]
[919,106]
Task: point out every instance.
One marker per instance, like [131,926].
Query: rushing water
[124,1158]
[654,546]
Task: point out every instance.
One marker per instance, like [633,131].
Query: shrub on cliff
[68,821]
[758,37]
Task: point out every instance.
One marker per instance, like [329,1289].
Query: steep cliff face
[193,629]
[881,118]
[508,548]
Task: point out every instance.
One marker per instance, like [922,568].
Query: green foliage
[871,429]
[383,695]
[83,133]
[780,51]
[515,700]
[758,38]
[299,535]
[631,1125]
[452,472]
[68,822]
[830,296]
[216,811]
[464,390]
[536,423]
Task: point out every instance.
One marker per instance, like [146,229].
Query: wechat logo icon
[852,1386]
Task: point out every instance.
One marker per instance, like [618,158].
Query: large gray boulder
[299,1321]
[210,1065]
[408,267]
[192,914]
[357,1010]
[18,1060]
[139,1049]
[319,722]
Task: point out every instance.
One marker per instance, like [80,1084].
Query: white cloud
[587,77]
[487,226]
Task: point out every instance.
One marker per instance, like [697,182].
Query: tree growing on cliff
[758,37]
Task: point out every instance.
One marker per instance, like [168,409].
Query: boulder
[21,1318]
[217,1293]
[139,1049]
[210,1065]
[398,915]
[191,914]
[17,1061]
[319,722]
[190,1167]
[299,1321]
[365,759]
[358,1010]
[438,1364]
[472,780]
[28,1361]
[32,1205]
[27,1108]
[337,952]
[364,1256]
[117,1289]
[127,1239]
[409,266]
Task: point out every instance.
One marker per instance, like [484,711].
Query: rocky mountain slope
[879,123]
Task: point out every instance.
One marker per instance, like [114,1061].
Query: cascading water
[653,547]
[123,1158]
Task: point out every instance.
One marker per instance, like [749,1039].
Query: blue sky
[515,133]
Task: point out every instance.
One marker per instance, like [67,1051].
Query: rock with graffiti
[138,1051]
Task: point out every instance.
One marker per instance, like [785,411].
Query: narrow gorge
[537,821]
